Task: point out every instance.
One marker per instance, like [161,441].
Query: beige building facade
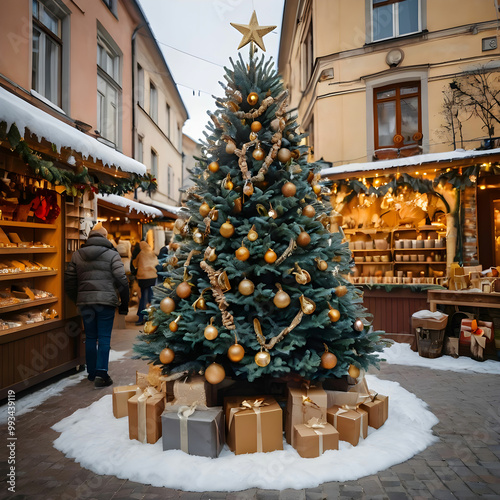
[368,76]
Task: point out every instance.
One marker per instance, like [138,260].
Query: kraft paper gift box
[253,425]
[351,424]
[144,415]
[195,390]
[375,404]
[121,395]
[154,378]
[303,404]
[196,430]
[314,438]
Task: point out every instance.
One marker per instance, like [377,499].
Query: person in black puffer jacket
[94,279]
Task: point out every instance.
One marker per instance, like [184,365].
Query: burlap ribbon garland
[141,413]
[316,425]
[256,405]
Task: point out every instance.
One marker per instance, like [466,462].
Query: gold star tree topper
[253,32]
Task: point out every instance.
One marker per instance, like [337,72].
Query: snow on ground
[407,432]
[401,354]
[26,403]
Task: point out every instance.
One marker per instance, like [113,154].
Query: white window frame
[140,149]
[109,91]
[154,163]
[167,120]
[59,72]
[395,20]
[421,75]
[153,101]
[307,53]
[140,85]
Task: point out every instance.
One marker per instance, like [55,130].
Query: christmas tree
[258,284]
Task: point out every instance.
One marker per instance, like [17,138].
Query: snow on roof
[121,201]
[26,116]
[406,162]
[170,208]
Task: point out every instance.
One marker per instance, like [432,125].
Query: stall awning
[457,158]
[30,119]
[168,210]
[124,205]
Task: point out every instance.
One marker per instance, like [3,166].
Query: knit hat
[98,229]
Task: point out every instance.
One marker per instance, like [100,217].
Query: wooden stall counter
[462,298]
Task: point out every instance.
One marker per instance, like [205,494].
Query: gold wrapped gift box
[378,410]
[121,395]
[253,424]
[350,423]
[314,438]
[144,415]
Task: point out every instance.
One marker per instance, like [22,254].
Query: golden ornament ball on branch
[328,359]
[204,209]
[210,331]
[238,205]
[198,237]
[236,353]
[227,229]
[167,356]
[262,359]
[215,374]
[317,189]
[309,211]
[252,234]
[232,106]
[288,189]
[174,325]
[281,299]
[213,167]
[284,155]
[149,327]
[242,253]
[230,147]
[246,287]
[167,305]
[303,239]
[270,256]
[333,314]
[340,291]
[253,98]
[358,326]
[353,371]
[183,290]
[248,188]
[253,136]
[256,126]
[258,154]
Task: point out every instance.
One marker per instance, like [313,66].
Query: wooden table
[462,298]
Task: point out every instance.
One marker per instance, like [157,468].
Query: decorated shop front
[50,173]
[417,224]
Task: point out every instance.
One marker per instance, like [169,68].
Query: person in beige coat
[145,263]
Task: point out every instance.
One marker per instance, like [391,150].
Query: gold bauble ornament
[227,229]
[262,359]
[284,155]
[204,209]
[174,325]
[236,353]
[353,371]
[213,166]
[328,359]
[246,287]
[167,305]
[198,237]
[252,234]
[281,299]
[200,303]
[270,256]
[288,189]
[253,98]
[227,183]
[149,327]
[309,211]
[242,253]
[214,215]
[167,356]
[258,154]
[321,264]
[232,106]
[333,314]
[215,373]
[256,126]
[317,189]
[340,291]
[252,136]
[230,147]
[248,188]
[307,305]
[295,154]
[183,290]
[358,326]
[210,331]
[303,239]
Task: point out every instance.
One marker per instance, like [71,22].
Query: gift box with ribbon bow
[375,404]
[195,390]
[195,429]
[350,421]
[121,395]
[478,335]
[155,378]
[253,424]
[304,402]
[313,438]
[144,415]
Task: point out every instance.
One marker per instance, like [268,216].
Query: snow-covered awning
[169,208]
[13,109]
[411,161]
[121,201]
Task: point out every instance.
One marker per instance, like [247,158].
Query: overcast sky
[197,41]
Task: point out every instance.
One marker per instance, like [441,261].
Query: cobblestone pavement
[463,464]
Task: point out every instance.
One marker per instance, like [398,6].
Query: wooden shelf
[368,231]
[16,250]
[28,304]
[374,263]
[17,223]
[32,274]
[412,262]
[27,327]
[415,249]
[371,250]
